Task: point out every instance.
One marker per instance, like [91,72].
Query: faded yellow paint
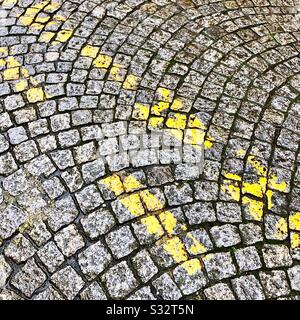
[40,5]
[133,204]
[52,7]
[29,16]
[12,62]
[59,18]
[24,72]
[3,52]
[63,35]
[36,26]
[168,221]
[231,188]
[90,51]
[2,63]
[46,36]
[116,73]
[295,240]
[150,201]
[176,249]
[155,122]
[11,74]
[131,183]
[197,247]
[165,94]
[275,185]
[177,121]
[256,164]
[153,226]
[159,108]
[256,208]
[241,153]
[114,184]
[130,82]
[141,111]
[294,221]
[21,85]
[281,229]
[194,136]
[35,95]
[42,19]
[7,4]
[103,61]
[191,266]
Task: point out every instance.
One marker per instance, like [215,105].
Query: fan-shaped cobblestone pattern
[75,76]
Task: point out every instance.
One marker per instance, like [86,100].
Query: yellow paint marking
[140,111]
[114,184]
[36,26]
[52,7]
[294,221]
[29,16]
[35,95]
[103,61]
[194,136]
[46,36]
[197,247]
[90,51]
[256,189]
[153,226]
[133,204]
[231,188]
[281,229]
[116,73]
[21,85]
[7,4]
[3,52]
[241,153]
[195,122]
[40,5]
[256,164]
[150,201]
[269,195]
[155,122]
[273,184]
[59,18]
[177,105]
[159,108]
[42,19]
[24,72]
[2,63]
[208,144]
[168,221]
[63,35]
[192,266]
[295,240]
[12,62]
[130,82]
[176,121]
[176,249]
[232,176]
[11,74]
[132,184]
[255,208]
[165,94]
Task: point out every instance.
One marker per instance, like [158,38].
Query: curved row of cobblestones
[84,215]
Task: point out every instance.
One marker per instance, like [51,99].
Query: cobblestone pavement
[84,215]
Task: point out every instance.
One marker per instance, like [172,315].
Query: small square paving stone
[144,266]
[17,135]
[179,194]
[198,242]
[5,271]
[93,292]
[121,242]
[248,288]
[294,276]
[11,219]
[159,175]
[39,233]
[63,158]
[189,276]
[68,282]
[7,164]
[29,278]
[229,212]
[94,260]
[53,187]
[219,265]
[60,122]
[63,212]
[276,256]
[51,256]
[19,249]
[92,171]
[85,153]
[89,198]
[73,179]
[166,288]
[225,236]
[49,294]
[251,233]
[69,240]
[220,291]
[274,283]
[200,212]
[97,223]
[119,280]
[16,183]
[248,259]
[206,191]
